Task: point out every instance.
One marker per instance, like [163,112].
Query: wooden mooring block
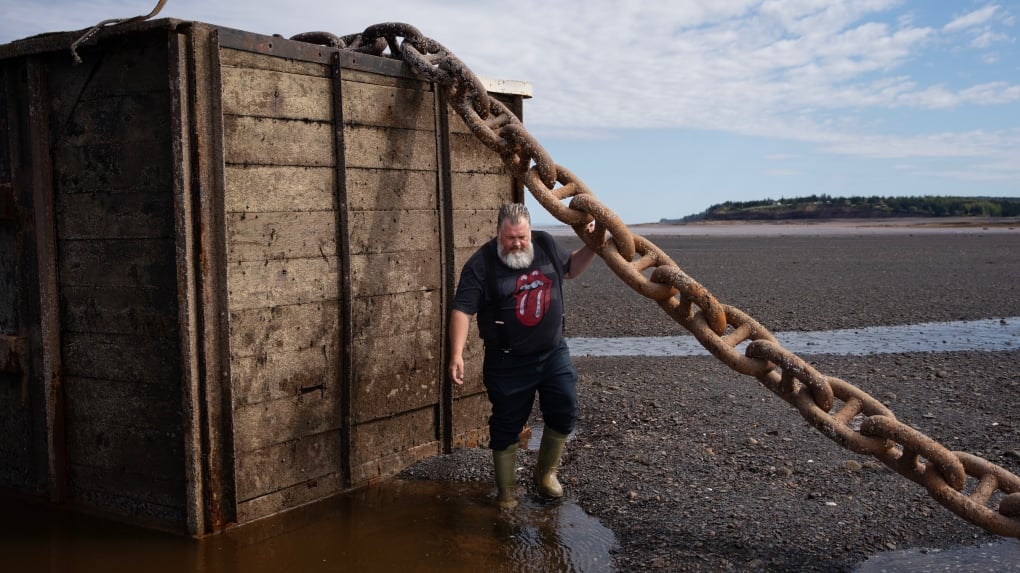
[225,264]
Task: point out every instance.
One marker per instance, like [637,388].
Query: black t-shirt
[530,304]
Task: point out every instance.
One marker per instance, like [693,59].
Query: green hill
[826,207]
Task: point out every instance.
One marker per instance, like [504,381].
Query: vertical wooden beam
[444,193]
[181,100]
[345,302]
[517,107]
[19,184]
[219,502]
[49,295]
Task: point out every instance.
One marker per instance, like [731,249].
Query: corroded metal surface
[842,412]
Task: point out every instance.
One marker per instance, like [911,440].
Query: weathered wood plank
[130,215]
[265,93]
[386,148]
[14,421]
[263,284]
[474,358]
[242,59]
[276,375]
[8,279]
[390,189]
[262,188]
[471,412]
[456,124]
[297,495]
[121,358]
[280,466]
[131,404]
[283,351]
[468,154]
[114,167]
[383,106]
[263,141]
[167,491]
[392,314]
[395,374]
[393,231]
[473,228]
[460,258]
[124,449]
[388,273]
[146,312]
[476,438]
[255,332]
[116,263]
[257,426]
[389,465]
[361,76]
[141,512]
[118,72]
[281,235]
[139,118]
[480,191]
[374,441]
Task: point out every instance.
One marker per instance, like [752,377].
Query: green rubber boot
[548,460]
[504,462]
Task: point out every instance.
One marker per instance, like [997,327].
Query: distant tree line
[828,207]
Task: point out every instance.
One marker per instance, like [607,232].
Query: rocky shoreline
[696,467]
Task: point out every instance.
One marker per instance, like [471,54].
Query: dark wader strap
[550,253]
[493,294]
[491,255]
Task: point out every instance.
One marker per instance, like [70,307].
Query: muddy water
[1000,556]
[453,527]
[396,526]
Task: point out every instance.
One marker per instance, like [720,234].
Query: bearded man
[516,290]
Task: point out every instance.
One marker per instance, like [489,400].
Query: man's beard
[518,259]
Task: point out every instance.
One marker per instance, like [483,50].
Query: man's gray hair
[515,213]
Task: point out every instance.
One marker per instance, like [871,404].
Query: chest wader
[504,461]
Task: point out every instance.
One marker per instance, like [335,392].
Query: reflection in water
[990,335]
[441,526]
[1000,556]
[396,526]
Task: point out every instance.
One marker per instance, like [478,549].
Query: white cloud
[993,146]
[820,71]
[782,172]
[987,38]
[975,18]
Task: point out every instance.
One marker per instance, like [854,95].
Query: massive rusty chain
[720,328]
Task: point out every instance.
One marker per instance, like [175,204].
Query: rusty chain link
[718,327]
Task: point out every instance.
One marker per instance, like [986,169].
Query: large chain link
[718,327]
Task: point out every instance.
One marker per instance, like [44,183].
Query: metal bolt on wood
[972,487]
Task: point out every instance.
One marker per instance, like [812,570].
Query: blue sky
[666,108]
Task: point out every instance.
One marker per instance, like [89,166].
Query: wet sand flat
[697,467]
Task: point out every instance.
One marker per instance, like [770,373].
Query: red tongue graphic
[532,297]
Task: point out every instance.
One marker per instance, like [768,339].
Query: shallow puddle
[395,526]
[990,558]
[455,527]
[989,335]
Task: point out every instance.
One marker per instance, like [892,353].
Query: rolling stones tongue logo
[532,297]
